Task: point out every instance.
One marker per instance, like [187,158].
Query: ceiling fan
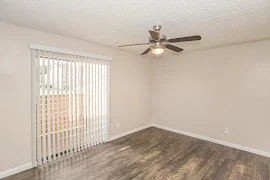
[159,42]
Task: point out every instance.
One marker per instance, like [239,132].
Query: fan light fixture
[157,50]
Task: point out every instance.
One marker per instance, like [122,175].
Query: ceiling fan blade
[183,39]
[174,48]
[133,44]
[155,35]
[146,51]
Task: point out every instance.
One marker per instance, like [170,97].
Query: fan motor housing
[162,39]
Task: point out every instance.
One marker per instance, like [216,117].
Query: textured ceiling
[116,22]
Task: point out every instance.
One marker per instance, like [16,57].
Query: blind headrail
[65,51]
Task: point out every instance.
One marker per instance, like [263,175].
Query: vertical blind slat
[95,105]
[75,107]
[99,99]
[87,102]
[62,105]
[103,102]
[71,103]
[91,99]
[66,104]
[100,102]
[81,106]
[48,108]
[84,102]
[53,110]
[98,107]
[108,73]
[78,105]
[43,112]
[38,109]
[58,110]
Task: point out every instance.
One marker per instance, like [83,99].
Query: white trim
[129,132]
[33,108]
[15,170]
[65,51]
[236,146]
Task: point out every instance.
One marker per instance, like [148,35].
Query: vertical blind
[72,103]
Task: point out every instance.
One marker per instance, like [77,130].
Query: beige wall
[130,89]
[206,91]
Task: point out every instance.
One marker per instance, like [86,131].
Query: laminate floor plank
[154,154]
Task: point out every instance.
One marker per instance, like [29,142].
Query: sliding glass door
[72,107]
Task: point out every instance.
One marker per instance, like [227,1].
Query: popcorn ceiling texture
[113,23]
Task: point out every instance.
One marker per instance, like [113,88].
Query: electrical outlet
[221,131]
[118,124]
[224,131]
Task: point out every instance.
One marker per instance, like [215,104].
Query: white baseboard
[15,170]
[24,167]
[129,132]
[236,146]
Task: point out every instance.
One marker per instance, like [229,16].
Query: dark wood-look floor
[154,154]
